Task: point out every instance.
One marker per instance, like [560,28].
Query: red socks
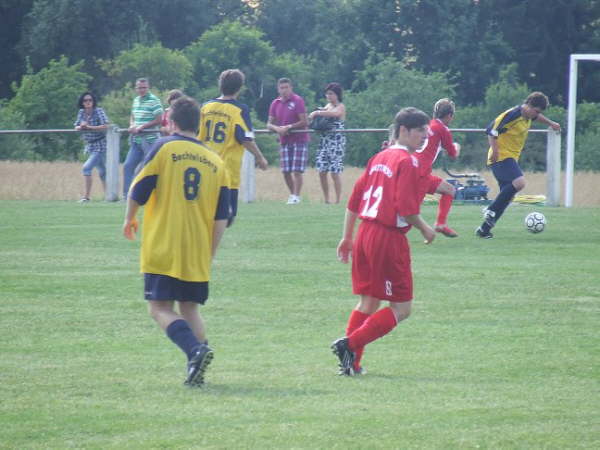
[376,326]
[356,319]
[444,208]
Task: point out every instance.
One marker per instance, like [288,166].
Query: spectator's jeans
[97,160]
[135,156]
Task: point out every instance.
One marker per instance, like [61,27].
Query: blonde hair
[443,107]
[174,95]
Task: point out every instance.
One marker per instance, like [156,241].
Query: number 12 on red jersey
[372,199]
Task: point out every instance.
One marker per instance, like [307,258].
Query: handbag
[321,123]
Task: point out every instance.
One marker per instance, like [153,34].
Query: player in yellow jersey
[507,135]
[226,128]
[184,187]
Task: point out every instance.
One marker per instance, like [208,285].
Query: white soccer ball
[535,222]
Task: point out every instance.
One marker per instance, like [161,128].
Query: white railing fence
[113,178]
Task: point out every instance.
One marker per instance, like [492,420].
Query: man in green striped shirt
[146,112]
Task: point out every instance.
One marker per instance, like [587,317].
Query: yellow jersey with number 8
[184,187]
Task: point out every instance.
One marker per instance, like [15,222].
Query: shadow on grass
[258,391]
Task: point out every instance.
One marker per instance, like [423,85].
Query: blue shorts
[97,160]
[506,171]
[164,287]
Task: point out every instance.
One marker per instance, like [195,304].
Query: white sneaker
[293,200]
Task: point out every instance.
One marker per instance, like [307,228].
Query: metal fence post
[248,178]
[553,141]
[113,139]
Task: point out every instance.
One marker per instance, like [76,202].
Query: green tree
[543,37]
[380,92]
[101,30]
[82,30]
[14,146]
[234,45]
[48,100]
[167,69]
[177,23]
[12,14]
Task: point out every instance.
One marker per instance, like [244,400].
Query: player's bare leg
[401,310]
[162,311]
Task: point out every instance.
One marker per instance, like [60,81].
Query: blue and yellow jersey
[224,126]
[510,129]
[184,187]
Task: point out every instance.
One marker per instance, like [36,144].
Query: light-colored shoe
[83,200]
[293,200]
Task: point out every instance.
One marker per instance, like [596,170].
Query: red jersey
[439,137]
[388,190]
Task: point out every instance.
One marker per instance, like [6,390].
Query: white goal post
[572,112]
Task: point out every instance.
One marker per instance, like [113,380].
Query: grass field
[501,351]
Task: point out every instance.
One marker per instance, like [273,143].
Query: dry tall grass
[63,181]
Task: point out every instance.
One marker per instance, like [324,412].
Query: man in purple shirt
[287,112]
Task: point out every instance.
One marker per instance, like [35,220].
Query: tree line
[485,54]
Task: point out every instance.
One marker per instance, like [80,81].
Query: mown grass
[501,350]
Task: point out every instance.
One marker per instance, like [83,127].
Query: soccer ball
[535,222]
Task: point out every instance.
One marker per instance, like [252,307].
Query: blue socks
[182,335]
[500,204]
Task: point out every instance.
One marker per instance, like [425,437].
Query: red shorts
[433,183]
[381,263]
[428,185]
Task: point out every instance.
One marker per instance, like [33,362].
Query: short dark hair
[143,80]
[337,88]
[173,95]
[231,81]
[443,107]
[284,81]
[537,100]
[185,112]
[409,118]
[82,96]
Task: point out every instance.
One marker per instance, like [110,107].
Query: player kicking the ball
[184,187]
[387,198]
[440,137]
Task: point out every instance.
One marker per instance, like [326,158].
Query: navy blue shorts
[506,171]
[233,205]
[164,287]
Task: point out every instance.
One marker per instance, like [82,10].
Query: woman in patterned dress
[332,147]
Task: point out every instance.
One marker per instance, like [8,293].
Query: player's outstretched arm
[551,123]
[344,248]
[416,221]
[218,231]
[130,225]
